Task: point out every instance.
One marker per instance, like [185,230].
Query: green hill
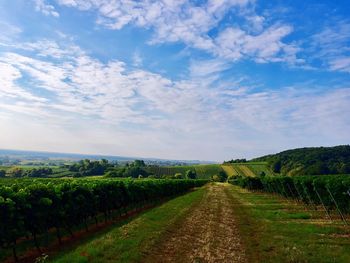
[310,161]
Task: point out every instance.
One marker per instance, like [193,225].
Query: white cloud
[234,43]
[109,108]
[45,8]
[8,88]
[184,21]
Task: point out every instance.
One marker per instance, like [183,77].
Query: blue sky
[209,80]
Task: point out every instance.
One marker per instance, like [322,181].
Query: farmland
[238,211]
[250,169]
[257,226]
[202,171]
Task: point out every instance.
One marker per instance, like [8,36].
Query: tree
[2,173]
[135,172]
[237,161]
[190,174]
[222,176]
[87,167]
[276,166]
[139,163]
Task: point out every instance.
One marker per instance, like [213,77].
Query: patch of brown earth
[209,233]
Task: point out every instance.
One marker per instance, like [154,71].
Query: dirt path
[207,234]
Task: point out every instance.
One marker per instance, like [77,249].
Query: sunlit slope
[250,169]
[229,170]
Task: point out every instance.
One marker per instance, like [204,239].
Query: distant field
[250,169]
[203,171]
[246,170]
[207,170]
[258,168]
[229,170]
[237,169]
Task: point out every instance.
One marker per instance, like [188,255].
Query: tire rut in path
[208,233]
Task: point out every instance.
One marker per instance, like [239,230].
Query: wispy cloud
[234,44]
[8,32]
[137,59]
[45,8]
[332,45]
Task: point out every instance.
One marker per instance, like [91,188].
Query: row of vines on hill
[202,171]
[33,209]
[332,192]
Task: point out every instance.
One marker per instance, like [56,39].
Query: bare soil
[209,233]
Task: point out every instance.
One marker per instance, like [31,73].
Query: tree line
[86,167]
[20,172]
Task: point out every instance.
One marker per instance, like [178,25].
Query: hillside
[310,161]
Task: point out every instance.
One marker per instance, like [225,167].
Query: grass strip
[274,230]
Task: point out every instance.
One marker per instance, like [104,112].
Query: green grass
[277,231]
[127,241]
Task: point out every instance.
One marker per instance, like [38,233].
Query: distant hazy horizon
[80,156]
[180,80]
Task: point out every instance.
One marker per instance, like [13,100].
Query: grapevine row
[332,192]
[34,209]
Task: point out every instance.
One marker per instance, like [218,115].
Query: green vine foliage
[34,207]
[332,191]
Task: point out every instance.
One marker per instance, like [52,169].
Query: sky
[174,79]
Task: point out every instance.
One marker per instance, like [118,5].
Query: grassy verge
[275,230]
[128,241]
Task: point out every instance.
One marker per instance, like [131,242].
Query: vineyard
[229,170]
[259,168]
[202,171]
[39,214]
[331,192]
[36,207]
[250,169]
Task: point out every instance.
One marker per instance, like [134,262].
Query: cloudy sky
[209,80]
